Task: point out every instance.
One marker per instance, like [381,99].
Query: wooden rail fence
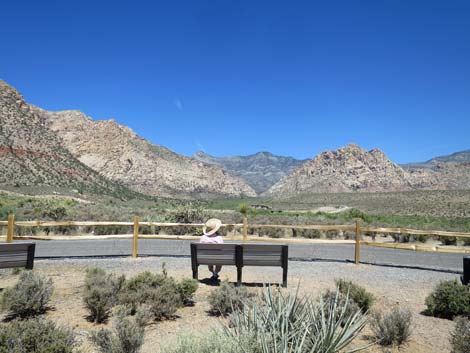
[356,228]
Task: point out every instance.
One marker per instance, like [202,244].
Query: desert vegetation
[119,310]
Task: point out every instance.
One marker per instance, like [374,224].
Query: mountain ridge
[260,170]
[353,169]
[119,154]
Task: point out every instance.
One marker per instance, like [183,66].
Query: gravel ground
[391,286]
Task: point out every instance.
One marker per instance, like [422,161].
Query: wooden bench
[239,255]
[17,255]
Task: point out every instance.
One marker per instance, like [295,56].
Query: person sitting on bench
[210,236]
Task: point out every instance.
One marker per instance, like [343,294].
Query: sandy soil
[391,286]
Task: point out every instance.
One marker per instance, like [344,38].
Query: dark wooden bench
[17,255]
[239,255]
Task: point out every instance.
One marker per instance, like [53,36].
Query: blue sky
[237,77]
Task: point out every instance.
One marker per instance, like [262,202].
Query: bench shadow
[209,282]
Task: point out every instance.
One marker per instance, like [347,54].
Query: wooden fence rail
[356,228]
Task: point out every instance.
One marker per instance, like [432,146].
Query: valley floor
[391,286]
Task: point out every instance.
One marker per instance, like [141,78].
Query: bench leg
[239,276]
[195,272]
[284,277]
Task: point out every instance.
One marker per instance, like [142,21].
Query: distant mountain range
[69,149]
[260,170]
[457,157]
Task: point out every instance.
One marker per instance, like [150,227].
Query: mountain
[462,157]
[32,155]
[119,154]
[260,170]
[352,168]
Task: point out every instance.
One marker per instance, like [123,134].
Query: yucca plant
[288,323]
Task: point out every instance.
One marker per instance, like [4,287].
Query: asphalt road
[297,252]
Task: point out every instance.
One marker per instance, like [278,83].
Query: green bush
[356,293]
[186,288]
[127,335]
[309,233]
[188,213]
[393,328]
[35,336]
[227,298]
[29,296]
[271,232]
[460,336]
[448,300]
[162,294]
[100,293]
[138,290]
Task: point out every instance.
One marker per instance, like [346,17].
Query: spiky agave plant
[289,323]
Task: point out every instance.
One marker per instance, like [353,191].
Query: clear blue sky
[237,77]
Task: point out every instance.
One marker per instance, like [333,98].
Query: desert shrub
[111,230]
[356,293]
[344,302]
[215,342]
[393,328]
[448,240]
[289,323]
[165,300]
[100,293]
[271,232]
[243,208]
[188,213]
[126,336]
[227,298]
[448,300]
[460,336]
[35,336]
[162,294]
[309,233]
[186,288]
[29,296]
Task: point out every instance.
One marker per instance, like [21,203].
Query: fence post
[245,229]
[357,255]
[136,236]
[11,227]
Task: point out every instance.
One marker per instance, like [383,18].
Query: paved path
[306,252]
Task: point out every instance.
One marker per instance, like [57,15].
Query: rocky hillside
[462,157]
[32,155]
[353,169]
[260,170]
[116,152]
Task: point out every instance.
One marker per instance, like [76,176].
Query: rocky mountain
[351,168]
[32,155]
[260,170]
[119,154]
[462,157]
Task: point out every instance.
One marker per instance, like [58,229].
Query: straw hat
[211,226]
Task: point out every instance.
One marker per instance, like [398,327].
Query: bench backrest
[239,254]
[17,255]
[262,254]
[214,254]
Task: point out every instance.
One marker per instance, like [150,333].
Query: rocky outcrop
[32,155]
[350,169]
[118,153]
[260,170]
